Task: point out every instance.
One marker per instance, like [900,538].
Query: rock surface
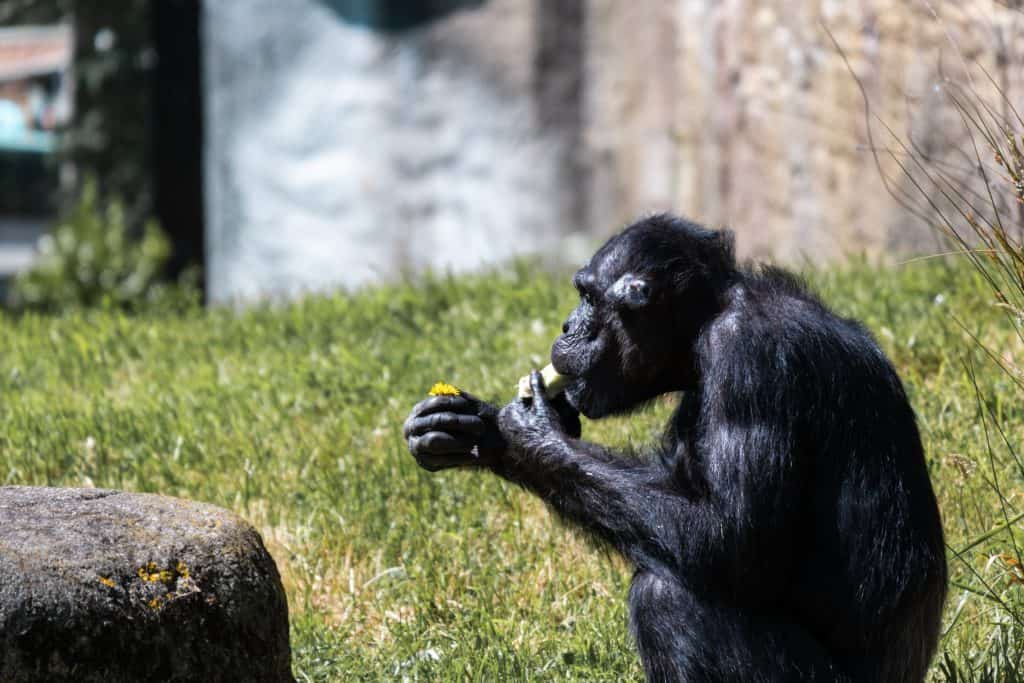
[100,585]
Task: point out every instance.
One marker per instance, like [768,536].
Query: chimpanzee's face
[617,346]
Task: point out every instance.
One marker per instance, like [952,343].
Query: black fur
[785,528]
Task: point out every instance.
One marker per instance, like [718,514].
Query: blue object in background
[16,136]
[396,15]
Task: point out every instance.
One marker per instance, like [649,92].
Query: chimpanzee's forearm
[619,500]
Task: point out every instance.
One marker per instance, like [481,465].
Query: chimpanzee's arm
[637,506]
[629,503]
[738,534]
[462,431]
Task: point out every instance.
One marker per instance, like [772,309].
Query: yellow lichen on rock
[151,573]
[107,581]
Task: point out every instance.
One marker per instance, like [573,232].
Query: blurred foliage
[34,11]
[109,136]
[92,259]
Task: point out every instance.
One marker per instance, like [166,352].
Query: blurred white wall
[336,156]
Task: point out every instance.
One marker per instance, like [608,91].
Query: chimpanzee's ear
[629,291]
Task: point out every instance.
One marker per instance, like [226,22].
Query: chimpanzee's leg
[683,637]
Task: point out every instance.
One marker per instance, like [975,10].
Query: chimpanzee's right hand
[454,431]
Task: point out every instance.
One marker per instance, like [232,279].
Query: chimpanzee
[784,528]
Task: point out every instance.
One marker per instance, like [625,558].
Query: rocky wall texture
[336,155]
[770,126]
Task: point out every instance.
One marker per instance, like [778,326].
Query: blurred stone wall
[743,113]
[337,155]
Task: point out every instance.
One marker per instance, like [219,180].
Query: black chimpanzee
[785,528]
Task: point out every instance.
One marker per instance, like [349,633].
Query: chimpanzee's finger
[541,404]
[445,422]
[435,463]
[439,443]
[436,404]
[469,397]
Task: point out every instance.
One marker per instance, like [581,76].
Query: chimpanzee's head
[644,297]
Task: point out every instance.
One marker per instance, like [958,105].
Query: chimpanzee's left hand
[528,423]
[453,431]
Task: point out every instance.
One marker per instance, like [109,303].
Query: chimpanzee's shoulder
[772,320]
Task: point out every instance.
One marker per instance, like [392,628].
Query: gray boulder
[109,586]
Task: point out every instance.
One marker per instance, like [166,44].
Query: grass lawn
[291,416]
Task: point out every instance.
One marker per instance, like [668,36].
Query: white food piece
[554,384]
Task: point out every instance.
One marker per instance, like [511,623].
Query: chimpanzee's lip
[561,371]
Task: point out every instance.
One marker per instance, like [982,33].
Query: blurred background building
[34,102]
[296,145]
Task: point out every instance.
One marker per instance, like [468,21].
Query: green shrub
[92,259]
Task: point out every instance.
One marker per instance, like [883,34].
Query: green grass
[292,416]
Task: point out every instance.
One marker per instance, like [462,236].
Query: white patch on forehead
[621,286]
[629,290]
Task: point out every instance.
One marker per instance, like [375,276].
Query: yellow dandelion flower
[444,389]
